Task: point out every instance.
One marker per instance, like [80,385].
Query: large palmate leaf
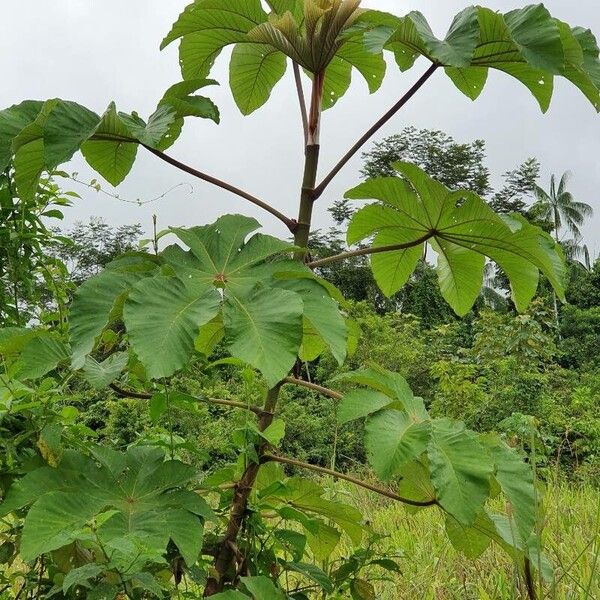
[316,35]
[527,44]
[439,461]
[40,136]
[463,230]
[224,287]
[139,493]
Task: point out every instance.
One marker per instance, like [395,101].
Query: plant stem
[258,410]
[374,129]
[243,489]
[289,223]
[313,386]
[365,251]
[354,480]
[301,100]
[311,164]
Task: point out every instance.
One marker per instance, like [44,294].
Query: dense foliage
[107,498]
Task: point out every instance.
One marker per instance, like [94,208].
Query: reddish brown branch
[229,403]
[289,223]
[313,386]
[349,478]
[366,251]
[374,129]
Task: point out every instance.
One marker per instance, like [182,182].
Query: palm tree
[577,252]
[560,208]
[562,211]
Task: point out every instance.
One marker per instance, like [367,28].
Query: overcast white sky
[96,51]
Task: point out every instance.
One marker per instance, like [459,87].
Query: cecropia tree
[269,536]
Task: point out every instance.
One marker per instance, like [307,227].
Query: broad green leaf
[91,309]
[294,542]
[415,483]
[275,432]
[338,77]
[392,439]
[525,44]
[313,344]
[410,36]
[219,253]
[589,47]
[52,138]
[391,269]
[41,355]
[12,121]
[230,595]
[470,80]
[163,316]
[158,132]
[515,477]
[393,385]
[112,158]
[207,26]
[322,539]
[101,374]
[254,71]
[462,228]
[264,329]
[357,404]
[307,496]
[210,335]
[313,573]
[81,576]
[55,520]
[68,125]
[180,97]
[29,153]
[473,540]
[135,498]
[157,406]
[371,66]
[460,275]
[537,36]
[460,470]
[323,314]
[262,588]
[580,66]
[14,339]
[25,491]
[186,531]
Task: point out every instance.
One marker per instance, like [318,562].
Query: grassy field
[433,570]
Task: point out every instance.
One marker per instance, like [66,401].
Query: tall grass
[433,570]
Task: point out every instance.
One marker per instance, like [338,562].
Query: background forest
[534,377]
